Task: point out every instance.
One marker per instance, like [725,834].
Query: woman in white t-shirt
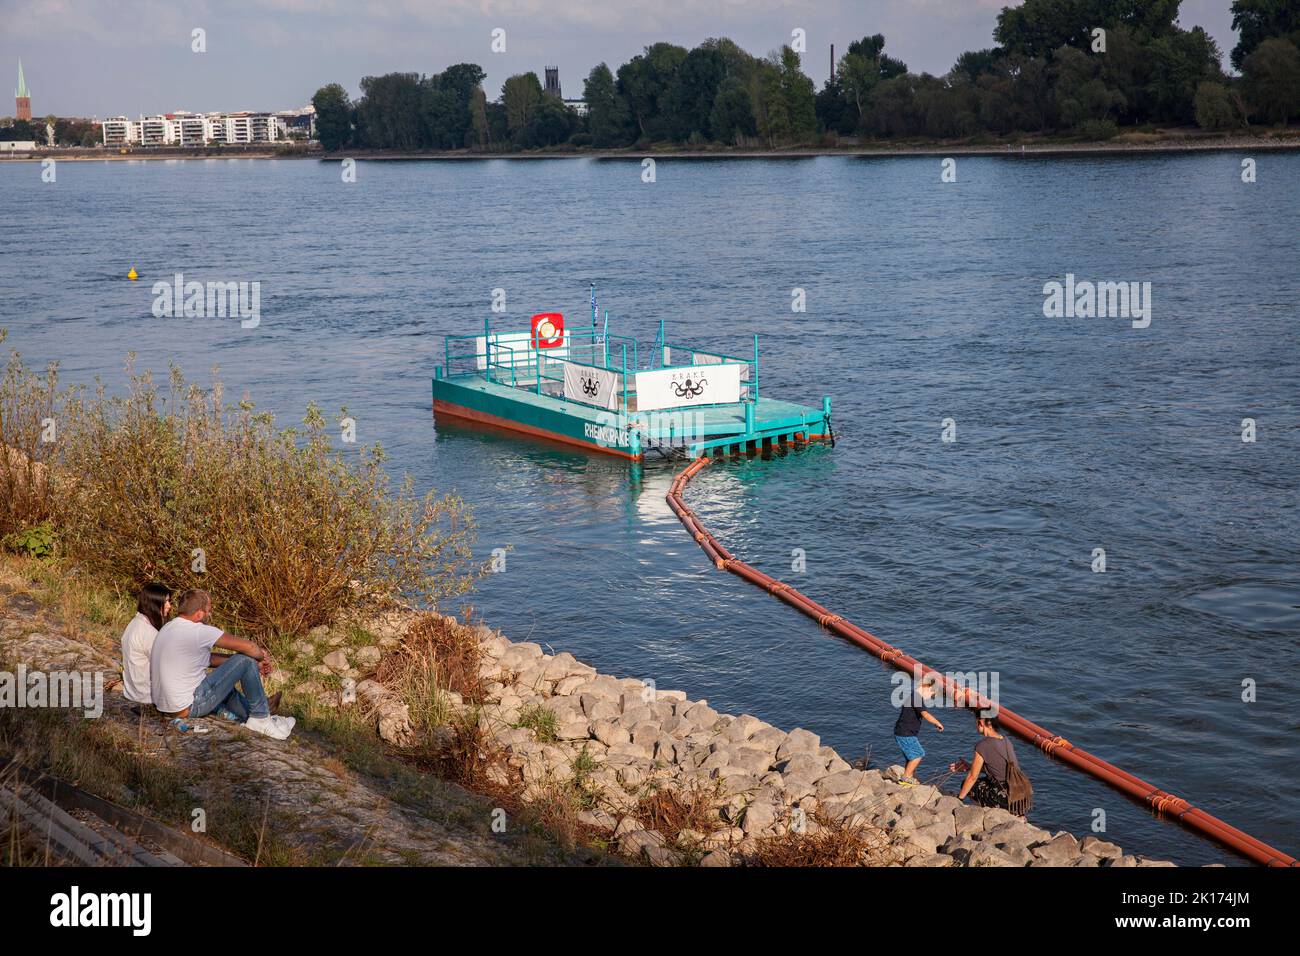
[153,604]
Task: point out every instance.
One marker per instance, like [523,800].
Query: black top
[909,717]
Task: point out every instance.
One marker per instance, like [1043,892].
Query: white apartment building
[119,131]
[183,128]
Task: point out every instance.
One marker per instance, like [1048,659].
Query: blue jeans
[218,690]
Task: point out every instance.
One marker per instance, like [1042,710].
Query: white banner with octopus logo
[592,386]
[680,387]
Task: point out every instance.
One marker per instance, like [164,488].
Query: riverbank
[576,762]
[1133,142]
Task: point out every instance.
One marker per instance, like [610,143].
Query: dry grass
[440,652]
[103,757]
[673,811]
[830,843]
[29,402]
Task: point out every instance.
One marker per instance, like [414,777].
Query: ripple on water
[1257,607]
[998,519]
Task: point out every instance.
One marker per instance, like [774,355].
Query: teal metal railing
[516,364]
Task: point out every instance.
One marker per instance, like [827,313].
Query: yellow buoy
[132,274]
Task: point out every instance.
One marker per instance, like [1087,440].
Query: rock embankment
[619,742]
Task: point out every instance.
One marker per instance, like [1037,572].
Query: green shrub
[37,542]
[282,530]
[1215,109]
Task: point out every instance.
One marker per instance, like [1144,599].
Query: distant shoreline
[1124,144]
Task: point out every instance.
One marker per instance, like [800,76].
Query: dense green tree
[1039,27]
[608,119]
[1271,77]
[1079,93]
[972,64]
[552,124]
[695,87]
[893,106]
[773,113]
[1214,106]
[732,116]
[798,93]
[1260,20]
[1017,95]
[863,67]
[445,119]
[479,135]
[522,95]
[1180,62]
[833,110]
[944,109]
[1126,68]
[647,81]
[459,80]
[390,114]
[333,116]
[498,125]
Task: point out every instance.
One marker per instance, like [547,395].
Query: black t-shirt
[909,717]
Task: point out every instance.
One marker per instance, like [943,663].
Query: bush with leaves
[284,531]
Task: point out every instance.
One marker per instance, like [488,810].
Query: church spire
[22,83]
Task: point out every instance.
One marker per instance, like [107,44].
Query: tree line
[1066,67]
[67,131]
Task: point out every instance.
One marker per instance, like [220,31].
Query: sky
[130,57]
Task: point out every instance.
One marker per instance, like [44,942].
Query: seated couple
[167,664]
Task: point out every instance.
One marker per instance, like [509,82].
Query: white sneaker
[286,722]
[268,727]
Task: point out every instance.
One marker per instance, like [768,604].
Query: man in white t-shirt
[181,684]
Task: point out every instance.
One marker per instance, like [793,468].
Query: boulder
[968,819]
[609,733]
[1100,848]
[798,741]
[836,784]
[1062,850]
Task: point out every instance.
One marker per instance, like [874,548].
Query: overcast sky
[109,57]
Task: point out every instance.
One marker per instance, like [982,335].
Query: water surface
[924,303]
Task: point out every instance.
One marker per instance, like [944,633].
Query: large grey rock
[989,856]
[1060,851]
[610,733]
[742,728]
[798,741]
[846,781]
[969,819]
[1100,848]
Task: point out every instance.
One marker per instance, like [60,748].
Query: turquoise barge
[600,392]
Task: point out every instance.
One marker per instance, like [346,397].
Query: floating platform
[566,386]
[724,429]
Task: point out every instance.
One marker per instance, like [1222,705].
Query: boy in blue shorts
[908,726]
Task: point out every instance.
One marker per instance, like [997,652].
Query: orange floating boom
[1164,804]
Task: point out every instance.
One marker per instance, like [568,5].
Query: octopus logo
[689,389]
[547,330]
[590,387]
